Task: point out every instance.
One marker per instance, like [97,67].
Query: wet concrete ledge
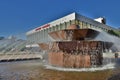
[19,57]
[13,60]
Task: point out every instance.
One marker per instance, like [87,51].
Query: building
[40,34]
[70,41]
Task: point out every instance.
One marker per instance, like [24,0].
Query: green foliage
[114,32]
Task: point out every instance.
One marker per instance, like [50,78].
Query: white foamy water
[104,67]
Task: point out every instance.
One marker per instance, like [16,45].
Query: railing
[15,57]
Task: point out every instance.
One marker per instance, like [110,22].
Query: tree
[114,32]
[1,38]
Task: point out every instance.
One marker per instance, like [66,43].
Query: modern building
[40,34]
[70,41]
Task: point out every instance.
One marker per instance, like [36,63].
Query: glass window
[59,27]
[68,24]
[88,25]
[76,22]
[49,29]
[73,22]
[65,25]
[53,29]
[80,24]
[62,26]
[84,25]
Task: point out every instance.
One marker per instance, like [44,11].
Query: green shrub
[114,32]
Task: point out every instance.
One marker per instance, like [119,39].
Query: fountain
[75,48]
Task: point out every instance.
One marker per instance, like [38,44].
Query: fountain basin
[74,34]
[77,54]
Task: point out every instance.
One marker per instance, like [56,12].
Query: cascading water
[109,55]
[104,36]
[108,61]
[92,69]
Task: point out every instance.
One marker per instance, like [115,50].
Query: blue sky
[19,16]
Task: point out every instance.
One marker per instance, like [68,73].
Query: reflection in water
[33,70]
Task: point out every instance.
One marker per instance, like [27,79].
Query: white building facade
[40,34]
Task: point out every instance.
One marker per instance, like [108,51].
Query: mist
[104,36]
